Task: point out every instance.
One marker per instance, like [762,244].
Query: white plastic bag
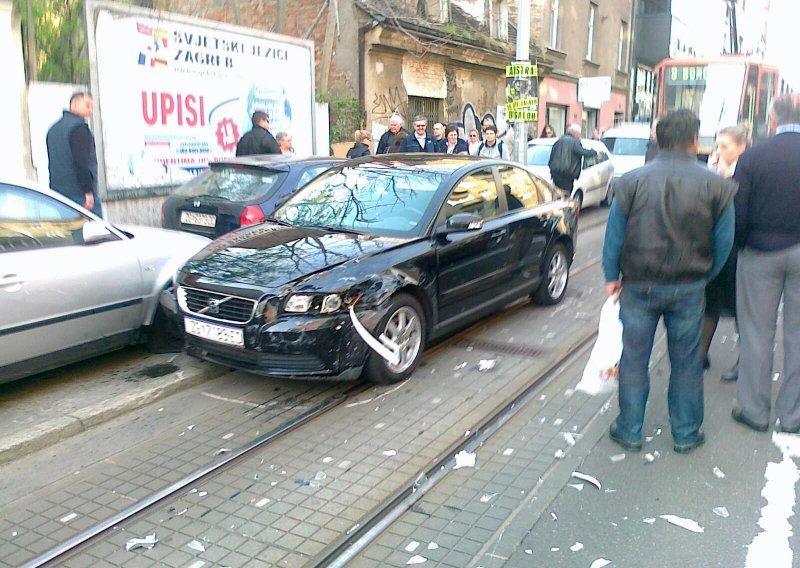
[601,373]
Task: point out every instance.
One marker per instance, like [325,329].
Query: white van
[627,144]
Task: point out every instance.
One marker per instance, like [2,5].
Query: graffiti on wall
[386,104]
[470,118]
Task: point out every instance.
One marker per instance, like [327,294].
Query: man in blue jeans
[669,231]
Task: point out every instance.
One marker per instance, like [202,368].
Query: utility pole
[523,55]
[734,31]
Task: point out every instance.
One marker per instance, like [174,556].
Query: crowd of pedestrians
[690,243]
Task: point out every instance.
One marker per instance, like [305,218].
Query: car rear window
[626,146]
[233,184]
[539,155]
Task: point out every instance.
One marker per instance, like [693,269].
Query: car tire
[164,335]
[609,198]
[402,308]
[555,277]
[579,198]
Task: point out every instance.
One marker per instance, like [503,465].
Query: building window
[501,19]
[622,47]
[618,118]
[589,122]
[554,24]
[557,118]
[590,40]
[428,107]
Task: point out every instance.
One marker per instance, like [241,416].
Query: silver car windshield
[371,198]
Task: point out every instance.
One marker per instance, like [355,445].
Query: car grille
[217,306]
[286,364]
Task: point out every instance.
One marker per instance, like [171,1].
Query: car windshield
[539,155]
[626,146]
[233,183]
[371,198]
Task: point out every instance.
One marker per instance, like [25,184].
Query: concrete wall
[15,156]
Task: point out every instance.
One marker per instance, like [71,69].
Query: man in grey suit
[768,234]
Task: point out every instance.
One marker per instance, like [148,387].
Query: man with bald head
[566,158]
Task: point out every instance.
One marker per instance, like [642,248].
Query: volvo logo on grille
[196,203]
[213,306]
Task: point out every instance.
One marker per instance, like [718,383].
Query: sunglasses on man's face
[419,126]
[473,135]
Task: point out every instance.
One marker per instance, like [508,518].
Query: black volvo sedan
[372,259]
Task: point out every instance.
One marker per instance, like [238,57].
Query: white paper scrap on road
[412,546]
[649,520]
[197,564]
[68,518]
[722,512]
[390,453]
[577,486]
[465,459]
[486,364]
[197,545]
[262,502]
[569,438]
[416,559]
[718,473]
[460,366]
[327,459]
[147,542]
[617,458]
[488,497]
[582,476]
[600,563]
[687,524]
[528,551]
[772,547]
[559,455]
[433,546]
[508,451]
[577,547]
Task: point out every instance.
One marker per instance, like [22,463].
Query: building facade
[583,39]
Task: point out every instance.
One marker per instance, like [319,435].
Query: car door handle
[500,233]
[11,282]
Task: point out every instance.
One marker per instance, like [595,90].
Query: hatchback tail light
[251,215]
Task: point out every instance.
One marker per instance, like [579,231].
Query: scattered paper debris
[417,559]
[651,457]
[721,512]
[327,459]
[577,486]
[569,438]
[262,502]
[718,473]
[658,431]
[568,393]
[605,408]
[649,520]
[433,546]
[543,397]
[380,425]
[617,458]
[221,451]
[775,377]
[68,518]
[465,459]
[190,427]
[687,524]
[558,422]
[600,563]
[228,436]
[390,453]
[577,547]
[543,419]
[470,347]
[508,451]
[459,367]
[202,494]
[197,545]
[648,439]
[161,409]
[488,497]
[528,551]
[611,490]
[582,476]
[419,481]
[147,542]
[559,455]
[318,479]
[486,364]
[555,549]
[553,515]
[412,546]
[14,534]
[273,483]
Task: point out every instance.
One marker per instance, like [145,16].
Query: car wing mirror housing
[95,232]
[464,222]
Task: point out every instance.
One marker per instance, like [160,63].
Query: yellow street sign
[522,104]
[522,70]
[522,114]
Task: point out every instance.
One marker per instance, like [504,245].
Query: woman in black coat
[361,147]
[454,144]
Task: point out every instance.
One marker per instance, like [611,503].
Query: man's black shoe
[737,415]
[730,375]
[686,448]
[616,438]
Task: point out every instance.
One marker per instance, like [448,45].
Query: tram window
[749,108]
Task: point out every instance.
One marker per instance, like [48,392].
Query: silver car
[73,286]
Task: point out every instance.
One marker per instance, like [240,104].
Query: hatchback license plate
[200,219]
[213,332]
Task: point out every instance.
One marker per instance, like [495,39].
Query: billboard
[175,93]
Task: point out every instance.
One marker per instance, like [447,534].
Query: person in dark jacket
[361,147]
[398,141]
[566,158]
[669,232]
[652,145]
[258,140]
[453,144]
[768,236]
[439,137]
[419,141]
[71,154]
[388,138]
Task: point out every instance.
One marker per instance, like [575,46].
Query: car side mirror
[95,232]
[464,222]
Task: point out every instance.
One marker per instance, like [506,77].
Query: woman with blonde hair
[362,140]
[721,292]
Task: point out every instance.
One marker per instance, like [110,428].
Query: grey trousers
[761,279]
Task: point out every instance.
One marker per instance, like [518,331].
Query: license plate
[201,219]
[213,332]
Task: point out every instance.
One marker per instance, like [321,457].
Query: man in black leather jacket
[669,232]
[566,159]
[258,140]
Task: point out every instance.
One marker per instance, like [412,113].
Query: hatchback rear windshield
[626,146]
[233,184]
[539,155]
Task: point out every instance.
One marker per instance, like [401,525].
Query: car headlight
[299,303]
[180,295]
[331,303]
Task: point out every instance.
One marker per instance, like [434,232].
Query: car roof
[586,142]
[439,163]
[277,161]
[630,130]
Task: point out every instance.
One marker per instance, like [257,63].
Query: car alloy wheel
[404,329]
[557,274]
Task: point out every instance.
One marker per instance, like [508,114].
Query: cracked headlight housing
[331,303]
[299,303]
